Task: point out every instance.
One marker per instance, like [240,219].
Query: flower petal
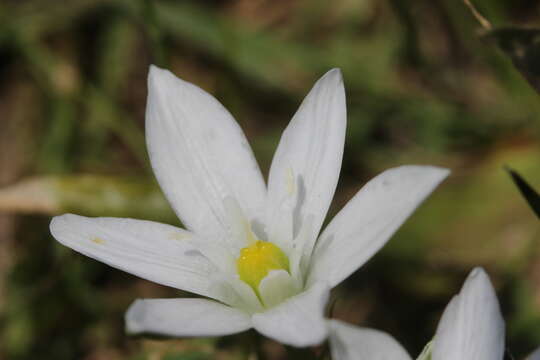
[298,321]
[241,295]
[199,155]
[535,355]
[348,342]
[311,148]
[277,286]
[472,326]
[185,317]
[301,252]
[152,251]
[369,219]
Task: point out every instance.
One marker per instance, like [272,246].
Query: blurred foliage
[423,86]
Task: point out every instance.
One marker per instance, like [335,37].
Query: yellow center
[257,260]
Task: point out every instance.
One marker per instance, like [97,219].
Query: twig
[481,19]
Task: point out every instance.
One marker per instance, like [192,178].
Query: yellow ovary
[257,260]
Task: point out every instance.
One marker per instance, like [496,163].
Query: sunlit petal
[184,317]
[199,154]
[153,251]
[308,158]
[298,321]
[369,219]
[472,326]
[348,342]
[534,356]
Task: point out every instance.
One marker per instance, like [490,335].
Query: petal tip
[53,225]
[159,78]
[57,222]
[477,272]
[474,311]
[54,221]
[444,172]
[333,77]
[479,278]
[154,70]
[335,72]
[156,75]
[133,316]
[438,174]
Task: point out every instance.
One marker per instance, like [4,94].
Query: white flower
[251,251]
[535,355]
[471,328]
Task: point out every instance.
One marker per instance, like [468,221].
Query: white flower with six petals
[252,251]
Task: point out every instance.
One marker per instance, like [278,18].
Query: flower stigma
[257,260]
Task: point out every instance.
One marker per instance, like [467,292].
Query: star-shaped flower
[254,252]
[471,328]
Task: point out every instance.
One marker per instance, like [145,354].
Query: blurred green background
[423,86]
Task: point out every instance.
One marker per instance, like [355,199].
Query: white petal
[185,317]
[534,356]
[301,252]
[298,321]
[369,219]
[311,148]
[199,155]
[153,251]
[240,233]
[348,342]
[249,300]
[280,230]
[277,286]
[217,252]
[471,327]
